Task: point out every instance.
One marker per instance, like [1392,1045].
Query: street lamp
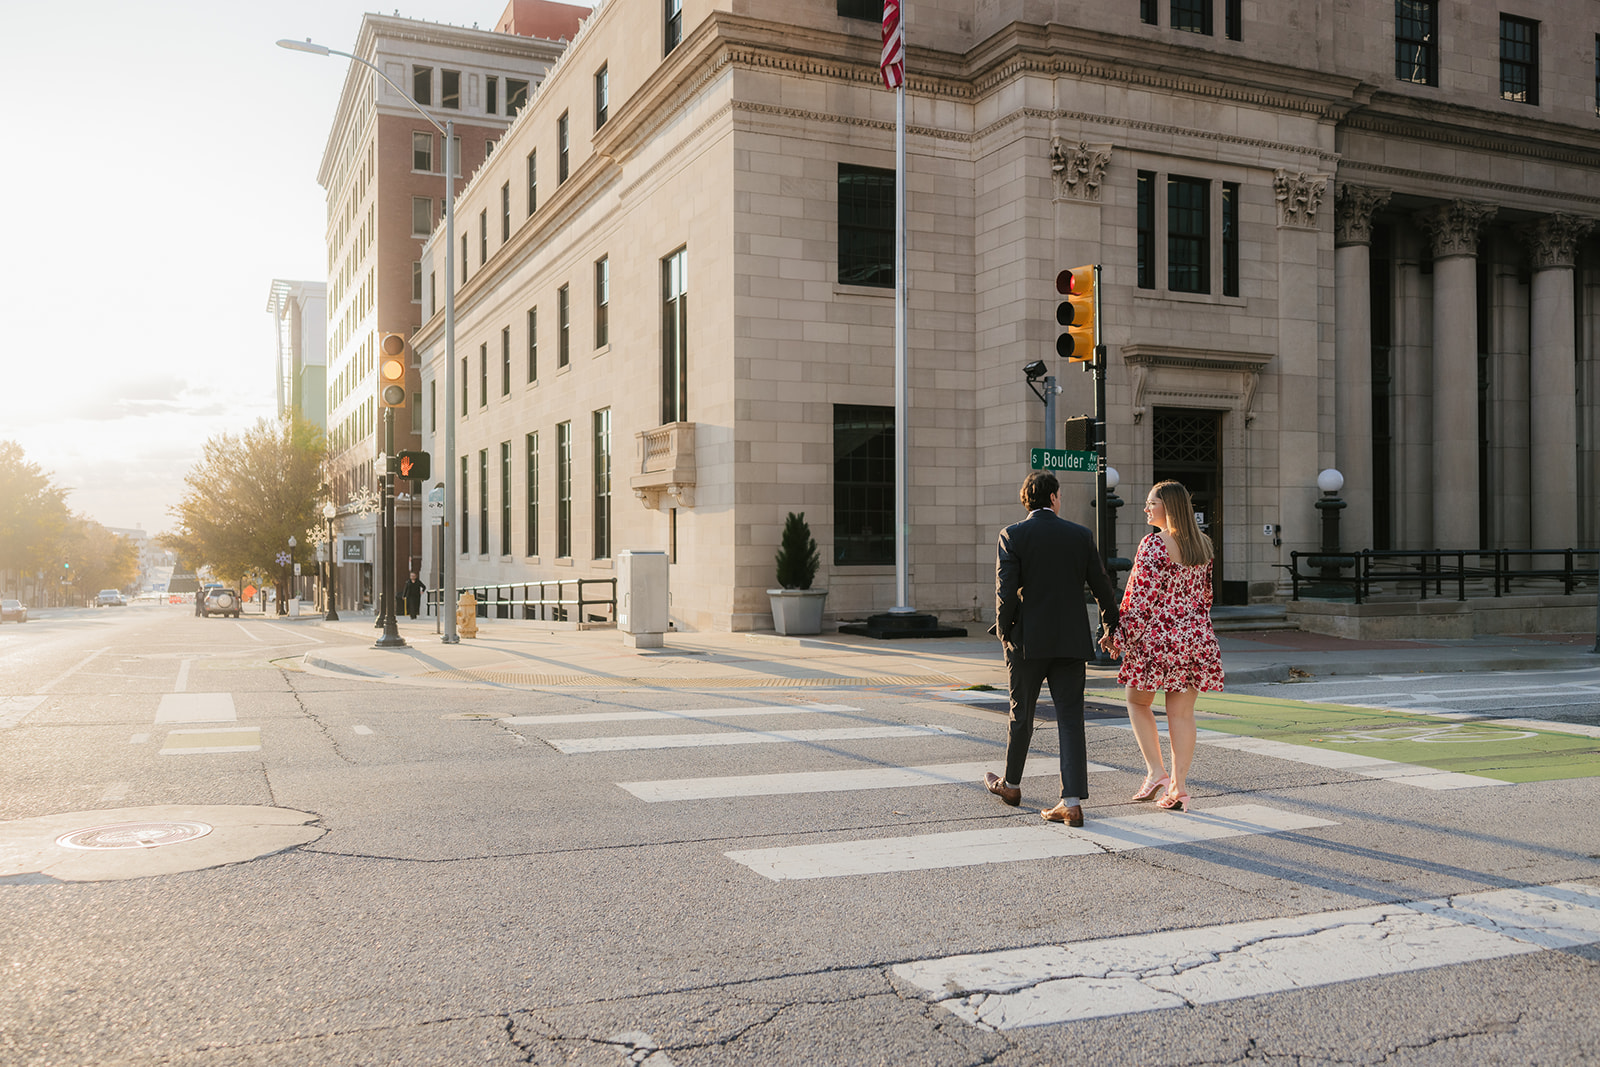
[329,510]
[448,589]
[1331,562]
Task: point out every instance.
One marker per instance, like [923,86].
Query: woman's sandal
[1176,802]
[1152,786]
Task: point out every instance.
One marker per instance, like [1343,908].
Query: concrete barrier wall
[1446,619]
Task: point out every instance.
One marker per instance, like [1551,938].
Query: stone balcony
[666,465]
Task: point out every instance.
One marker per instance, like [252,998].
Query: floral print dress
[1164,636]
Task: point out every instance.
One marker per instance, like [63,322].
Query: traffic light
[1077,342]
[414,465]
[392,370]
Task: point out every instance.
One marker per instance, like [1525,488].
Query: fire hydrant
[467,615]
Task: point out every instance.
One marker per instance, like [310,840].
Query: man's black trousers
[1066,691]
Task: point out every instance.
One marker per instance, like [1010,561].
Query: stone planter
[797,611]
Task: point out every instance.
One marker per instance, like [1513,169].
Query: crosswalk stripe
[767,785]
[196,707]
[1008,844]
[696,713]
[201,742]
[1354,762]
[1178,968]
[575,745]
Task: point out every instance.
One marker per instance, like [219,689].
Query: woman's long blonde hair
[1194,547]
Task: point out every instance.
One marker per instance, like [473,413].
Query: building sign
[352,550]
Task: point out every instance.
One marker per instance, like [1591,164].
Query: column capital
[1553,240]
[1078,168]
[1298,195]
[1454,227]
[1353,209]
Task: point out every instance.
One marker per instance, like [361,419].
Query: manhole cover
[134,835]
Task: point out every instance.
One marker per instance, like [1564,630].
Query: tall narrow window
[533,181]
[1188,235]
[483,374]
[1519,60]
[602,96]
[422,157]
[516,96]
[463,259]
[463,390]
[1597,74]
[1147,230]
[1416,41]
[505,361]
[450,89]
[564,489]
[674,31]
[563,326]
[1230,238]
[505,498]
[866,226]
[602,302]
[505,213]
[674,337]
[416,281]
[863,484]
[530,446]
[466,506]
[422,85]
[483,236]
[491,92]
[561,148]
[533,344]
[433,405]
[1233,20]
[1147,12]
[455,156]
[1194,16]
[483,501]
[602,484]
[871,10]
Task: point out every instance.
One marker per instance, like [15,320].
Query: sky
[171,156]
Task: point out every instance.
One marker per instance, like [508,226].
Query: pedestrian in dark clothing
[412,592]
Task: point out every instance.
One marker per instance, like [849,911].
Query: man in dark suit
[1044,562]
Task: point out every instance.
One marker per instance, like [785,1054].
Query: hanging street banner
[1064,459]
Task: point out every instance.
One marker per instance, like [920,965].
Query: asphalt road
[1556,696]
[498,876]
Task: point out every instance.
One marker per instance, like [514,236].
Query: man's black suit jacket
[1044,563]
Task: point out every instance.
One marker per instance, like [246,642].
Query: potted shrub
[796,607]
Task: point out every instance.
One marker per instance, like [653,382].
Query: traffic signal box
[413,465]
[1077,342]
[392,370]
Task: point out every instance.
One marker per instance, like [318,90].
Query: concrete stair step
[1235,618]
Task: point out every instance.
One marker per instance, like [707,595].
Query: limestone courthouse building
[1349,234]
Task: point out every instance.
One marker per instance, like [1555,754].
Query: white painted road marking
[1178,968]
[58,679]
[247,633]
[767,785]
[183,676]
[196,707]
[296,634]
[14,709]
[362,729]
[201,742]
[644,741]
[138,739]
[1008,844]
[697,713]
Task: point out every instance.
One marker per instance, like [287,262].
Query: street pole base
[390,641]
[892,627]
[450,639]
[331,616]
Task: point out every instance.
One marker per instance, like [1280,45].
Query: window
[421,216]
[564,489]
[422,154]
[1188,235]
[483,236]
[602,302]
[463,400]
[863,484]
[866,226]
[455,156]
[516,95]
[488,147]
[416,281]
[602,96]
[533,181]
[1519,60]
[533,344]
[433,293]
[1147,230]
[463,258]
[563,326]
[674,336]
[483,374]
[1416,41]
[674,32]
[505,361]
[505,498]
[862,9]
[602,484]
[530,447]
[1147,12]
[422,85]
[505,213]
[1232,20]
[466,507]
[1193,16]
[561,148]
[1597,74]
[1230,238]
[483,501]
[491,92]
[450,89]
[433,405]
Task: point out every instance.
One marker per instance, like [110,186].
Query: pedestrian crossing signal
[413,465]
[1077,342]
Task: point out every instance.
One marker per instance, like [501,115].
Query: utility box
[642,598]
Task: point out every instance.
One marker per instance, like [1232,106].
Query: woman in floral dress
[1166,641]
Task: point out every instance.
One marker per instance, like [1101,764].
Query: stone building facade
[1351,235]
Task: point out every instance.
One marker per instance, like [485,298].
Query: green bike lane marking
[1505,752]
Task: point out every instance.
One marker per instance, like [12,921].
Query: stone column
[1454,228]
[1552,385]
[1507,431]
[1300,352]
[1411,394]
[1352,381]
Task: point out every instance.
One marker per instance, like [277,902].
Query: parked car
[200,597]
[220,601]
[13,611]
[110,598]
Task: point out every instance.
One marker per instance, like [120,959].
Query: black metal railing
[574,600]
[1408,571]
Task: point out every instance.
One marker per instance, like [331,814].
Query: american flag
[894,45]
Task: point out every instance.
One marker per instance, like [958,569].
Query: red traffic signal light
[1077,342]
[414,465]
[392,370]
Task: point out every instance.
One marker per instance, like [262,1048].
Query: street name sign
[1064,459]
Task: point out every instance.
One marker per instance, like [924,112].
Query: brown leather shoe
[1072,816]
[997,785]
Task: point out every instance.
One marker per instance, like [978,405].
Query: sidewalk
[522,655]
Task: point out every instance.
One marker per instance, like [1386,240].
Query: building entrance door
[1188,449]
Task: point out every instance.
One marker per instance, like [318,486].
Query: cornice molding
[1463,128]
[1433,179]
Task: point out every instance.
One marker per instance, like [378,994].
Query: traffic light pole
[391,635]
[1102,513]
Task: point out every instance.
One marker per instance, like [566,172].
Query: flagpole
[902,425]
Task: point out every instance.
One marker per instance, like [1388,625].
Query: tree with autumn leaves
[40,536]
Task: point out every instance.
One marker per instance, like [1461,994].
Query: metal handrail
[1426,567]
[540,608]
